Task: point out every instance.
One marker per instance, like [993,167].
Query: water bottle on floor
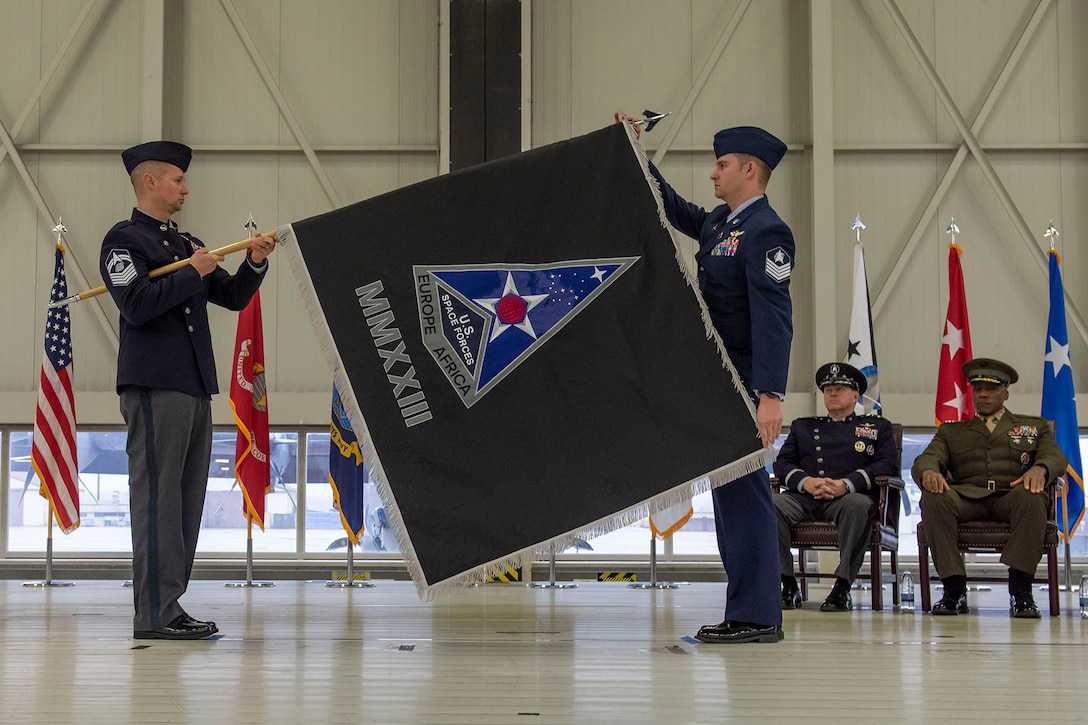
[1084,597]
[906,593]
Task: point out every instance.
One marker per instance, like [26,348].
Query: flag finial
[650,118]
[250,225]
[858,226]
[952,229]
[1051,234]
[60,229]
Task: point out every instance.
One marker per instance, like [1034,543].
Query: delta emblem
[493,317]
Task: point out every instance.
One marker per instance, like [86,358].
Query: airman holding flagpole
[166,378]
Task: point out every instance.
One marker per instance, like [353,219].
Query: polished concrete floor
[300,652]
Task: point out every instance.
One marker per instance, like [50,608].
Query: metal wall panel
[361,80]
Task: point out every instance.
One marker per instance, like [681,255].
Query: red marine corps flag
[249,401]
[53,454]
[953,393]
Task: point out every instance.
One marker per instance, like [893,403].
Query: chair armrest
[776,485]
[891,482]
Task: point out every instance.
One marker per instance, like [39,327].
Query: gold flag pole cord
[160,271]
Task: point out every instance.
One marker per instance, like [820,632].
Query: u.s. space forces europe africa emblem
[486,320]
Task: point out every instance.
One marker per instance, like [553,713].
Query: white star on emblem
[491,303]
[598,274]
[953,338]
[1058,356]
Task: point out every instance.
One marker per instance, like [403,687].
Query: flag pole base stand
[552,583]
[255,585]
[49,583]
[350,581]
[127,584]
[345,584]
[654,583]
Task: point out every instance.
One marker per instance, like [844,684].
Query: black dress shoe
[739,632]
[196,622]
[791,598]
[838,600]
[720,625]
[1022,606]
[951,604]
[179,629]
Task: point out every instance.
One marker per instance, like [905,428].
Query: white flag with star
[861,351]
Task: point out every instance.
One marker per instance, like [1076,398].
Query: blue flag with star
[1059,405]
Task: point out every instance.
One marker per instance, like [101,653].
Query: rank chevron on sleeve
[484,321]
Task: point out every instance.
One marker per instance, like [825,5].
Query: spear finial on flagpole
[650,119]
[858,226]
[60,230]
[952,229]
[1051,234]
[250,226]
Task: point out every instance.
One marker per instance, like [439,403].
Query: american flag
[54,450]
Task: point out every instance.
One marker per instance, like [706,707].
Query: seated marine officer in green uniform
[992,467]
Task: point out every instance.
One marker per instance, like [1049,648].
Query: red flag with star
[249,401]
[954,401]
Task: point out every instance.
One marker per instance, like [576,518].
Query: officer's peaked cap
[839,373]
[988,370]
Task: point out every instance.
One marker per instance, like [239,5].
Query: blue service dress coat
[856,449]
[165,379]
[166,340]
[744,268]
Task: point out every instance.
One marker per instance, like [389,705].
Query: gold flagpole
[160,271]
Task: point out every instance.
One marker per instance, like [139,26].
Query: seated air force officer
[994,466]
[828,467]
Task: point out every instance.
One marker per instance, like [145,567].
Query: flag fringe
[251,509]
[685,270]
[297,263]
[719,477]
[658,533]
[45,492]
[353,536]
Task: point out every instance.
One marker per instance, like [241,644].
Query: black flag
[521,354]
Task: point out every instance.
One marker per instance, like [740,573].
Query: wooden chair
[991,536]
[883,535]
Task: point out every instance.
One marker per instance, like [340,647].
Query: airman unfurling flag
[522,355]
